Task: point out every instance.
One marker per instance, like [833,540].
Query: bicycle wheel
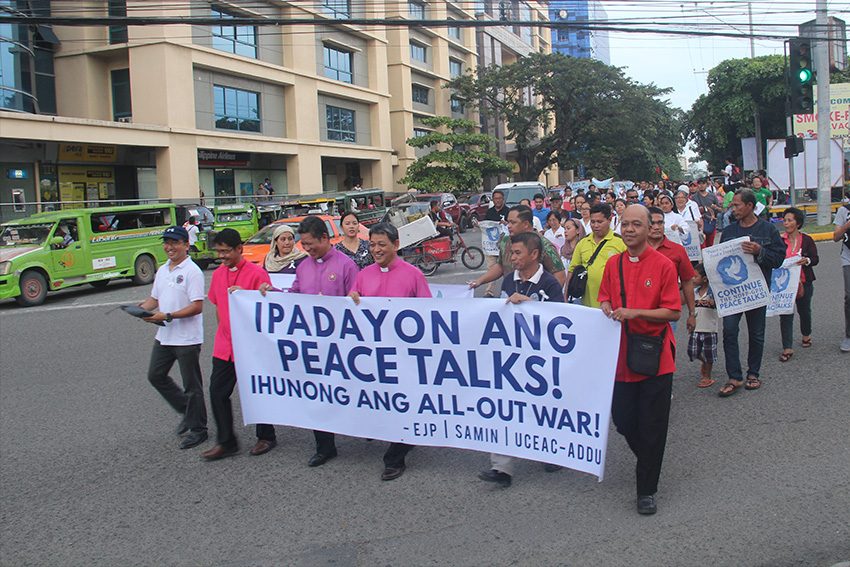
[427,263]
[472,257]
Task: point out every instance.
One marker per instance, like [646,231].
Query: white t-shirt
[691,212]
[707,319]
[192,229]
[557,237]
[536,224]
[174,290]
[673,218]
[586,226]
[728,171]
[841,218]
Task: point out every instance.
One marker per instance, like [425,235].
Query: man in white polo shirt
[178,298]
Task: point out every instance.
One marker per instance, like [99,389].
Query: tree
[571,111]
[736,89]
[461,167]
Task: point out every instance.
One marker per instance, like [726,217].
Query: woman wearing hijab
[283,256]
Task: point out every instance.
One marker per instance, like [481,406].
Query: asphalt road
[90,473]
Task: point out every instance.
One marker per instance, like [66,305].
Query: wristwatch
[169,317]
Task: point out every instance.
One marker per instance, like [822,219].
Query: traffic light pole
[821,49]
[789,129]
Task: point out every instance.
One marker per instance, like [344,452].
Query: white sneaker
[845,345]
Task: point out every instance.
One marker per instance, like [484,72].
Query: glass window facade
[416,10]
[339,9]
[455,68]
[420,132]
[27,81]
[456,105]
[420,94]
[121,105]
[241,40]
[340,124]
[338,64]
[236,109]
[418,52]
[454,32]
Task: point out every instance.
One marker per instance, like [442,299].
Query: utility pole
[756,117]
[821,49]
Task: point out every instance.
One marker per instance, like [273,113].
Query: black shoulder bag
[643,352]
[847,233]
[578,282]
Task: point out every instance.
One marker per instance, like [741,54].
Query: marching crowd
[603,250]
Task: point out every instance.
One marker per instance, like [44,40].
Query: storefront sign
[88,153]
[222,157]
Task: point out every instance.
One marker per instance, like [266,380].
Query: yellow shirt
[584,250]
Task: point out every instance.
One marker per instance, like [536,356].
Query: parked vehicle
[519,190]
[59,249]
[256,247]
[478,205]
[241,217]
[369,204]
[429,254]
[203,255]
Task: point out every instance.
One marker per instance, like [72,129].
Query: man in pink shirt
[234,273]
[389,276]
[326,271]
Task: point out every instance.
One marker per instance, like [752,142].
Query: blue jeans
[755,333]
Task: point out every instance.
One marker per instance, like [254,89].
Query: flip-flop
[785,356]
[725,392]
[706,383]
[807,342]
[752,384]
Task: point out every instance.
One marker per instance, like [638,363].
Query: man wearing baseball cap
[177,297]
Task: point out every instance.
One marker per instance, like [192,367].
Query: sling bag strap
[623,297]
[596,253]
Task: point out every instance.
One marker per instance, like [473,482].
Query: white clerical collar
[533,279]
[383,269]
[634,259]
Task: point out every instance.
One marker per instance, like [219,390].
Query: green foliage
[583,112]
[736,89]
[460,160]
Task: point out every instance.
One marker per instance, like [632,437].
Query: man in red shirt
[677,254]
[234,273]
[640,407]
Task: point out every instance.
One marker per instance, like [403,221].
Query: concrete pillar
[303,171]
[177,170]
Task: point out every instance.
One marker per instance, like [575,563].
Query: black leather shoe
[320,459]
[182,427]
[502,479]
[646,505]
[392,473]
[193,439]
[549,467]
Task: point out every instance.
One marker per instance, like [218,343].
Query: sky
[683,62]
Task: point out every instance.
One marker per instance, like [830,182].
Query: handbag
[643,352]
[578,282]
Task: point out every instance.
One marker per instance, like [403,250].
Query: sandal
[728,389]
[752,383]
[706,383]
[784,357]
[807,342]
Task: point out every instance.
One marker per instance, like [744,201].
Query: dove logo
[687,238]
[493,233]
[780,280]
[732,270]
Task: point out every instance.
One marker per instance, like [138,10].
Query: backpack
[736,174]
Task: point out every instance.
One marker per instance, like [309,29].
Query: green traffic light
[805,76]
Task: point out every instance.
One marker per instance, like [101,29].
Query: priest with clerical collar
[389,276]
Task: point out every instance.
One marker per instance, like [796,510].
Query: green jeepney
[242,217]
[369,204]
[59,249]
[203,253]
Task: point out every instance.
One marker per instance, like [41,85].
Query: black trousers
[394,457]
[222,382]
[641,412]
[189,402]
[325,442]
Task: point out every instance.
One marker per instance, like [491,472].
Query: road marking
[25,311]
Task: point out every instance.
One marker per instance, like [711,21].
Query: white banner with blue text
[784,282]
[735,277]
[526,381]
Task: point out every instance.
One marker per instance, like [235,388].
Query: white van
[519,190]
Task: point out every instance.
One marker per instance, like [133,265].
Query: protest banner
[784,282]
[284,282]
[524,380]
[735,278]
[673,235]
[691,241]
[491,231]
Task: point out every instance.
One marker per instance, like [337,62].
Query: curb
[822,237]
